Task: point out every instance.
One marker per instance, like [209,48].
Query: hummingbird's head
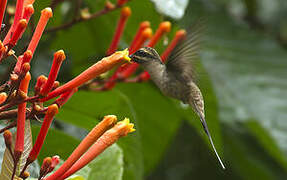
[145,54]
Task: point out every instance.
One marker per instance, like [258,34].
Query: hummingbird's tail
[203,122]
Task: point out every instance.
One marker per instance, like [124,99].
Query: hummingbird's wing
[180,62]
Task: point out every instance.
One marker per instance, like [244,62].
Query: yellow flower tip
[47,12]
[125,54]
[126,122]
[3,95]
[52,109]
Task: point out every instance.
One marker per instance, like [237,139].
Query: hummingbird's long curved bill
[203,122]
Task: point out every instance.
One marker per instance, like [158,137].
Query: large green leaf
[144,103]
[54,144]
[85,109]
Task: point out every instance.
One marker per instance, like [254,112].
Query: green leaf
[146,106]
[109,165]
[8,163]
[56,143]
[157,118]
[266,140]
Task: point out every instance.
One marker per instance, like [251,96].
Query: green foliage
[243,87]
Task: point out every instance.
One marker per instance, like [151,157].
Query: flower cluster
[14,92]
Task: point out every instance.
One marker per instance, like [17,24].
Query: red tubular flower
[65,97]
[51,112]
[8,138]
[142,27]
[28,11]
[121,129]
[146,34]
[18,12]
[19,143]
[20,28]
[17,17]
[2,9]
[46,165]
[180,35]
[41,80]
[3,97]
[46,14]
[59,57]
[55,162]
[25,58]
[163,28]
[98,68]
[91,138]
[125,13]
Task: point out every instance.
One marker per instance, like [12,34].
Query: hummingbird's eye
[141,53]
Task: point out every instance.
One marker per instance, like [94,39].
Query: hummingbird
[176,78]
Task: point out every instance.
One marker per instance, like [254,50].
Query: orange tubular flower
[163,28]
[145,34]
[8,138]
[121,129]
[91,138]
[125,13]
[59,57]
[180,35]
[142,27]
[51,112]
[20,28]
[55,162]
[46,165]
[2,9]
[19,143]
[98,68]
[46,14]
[28,11]
[41,80]
[17,17]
